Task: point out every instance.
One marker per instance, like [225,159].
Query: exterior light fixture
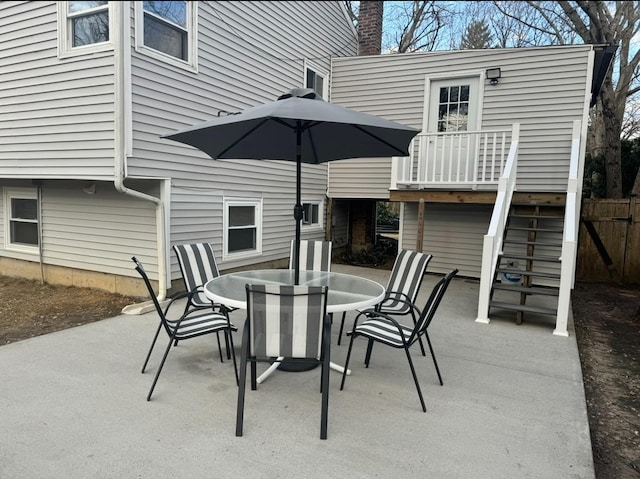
[493,74]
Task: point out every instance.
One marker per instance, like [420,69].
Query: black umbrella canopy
[299,127]
[329,132]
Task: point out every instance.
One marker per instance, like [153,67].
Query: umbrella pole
[297,210]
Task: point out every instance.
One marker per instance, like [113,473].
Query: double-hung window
[316,79]
[21,219]
[167,30]
[84,27]
[242,228]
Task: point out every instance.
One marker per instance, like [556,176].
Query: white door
[452,114]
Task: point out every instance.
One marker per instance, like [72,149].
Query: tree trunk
[613,163]
[595,132]
[612,120]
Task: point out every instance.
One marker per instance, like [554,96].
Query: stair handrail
[492,244]
[570,231]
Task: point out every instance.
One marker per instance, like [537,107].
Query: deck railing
[464,158]
[570,233]
[492,245]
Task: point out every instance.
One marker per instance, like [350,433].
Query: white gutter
[123,131]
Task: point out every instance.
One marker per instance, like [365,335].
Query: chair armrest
[394,296]
[176,297]
[398,297]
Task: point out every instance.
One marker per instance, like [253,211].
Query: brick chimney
[370,28]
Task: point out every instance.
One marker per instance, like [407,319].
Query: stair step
[540,257]
[537,230]
[538,274]
[524,308]
[534,243]
[531,217]
[546,291]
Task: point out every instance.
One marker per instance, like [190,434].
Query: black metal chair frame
[420,329]
[323,361]
[197,289]
[173,327]
[400,297]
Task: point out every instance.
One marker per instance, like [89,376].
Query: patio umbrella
[299,126]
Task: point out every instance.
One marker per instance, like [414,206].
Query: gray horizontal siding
[249,53]
[453,234]
[543,89]
[97,232]
[56,116]
[360,178]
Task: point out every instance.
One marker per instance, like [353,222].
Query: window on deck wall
[84,27]
[242,228]
[167,31]
[21,219]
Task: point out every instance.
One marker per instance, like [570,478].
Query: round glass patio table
[346,292]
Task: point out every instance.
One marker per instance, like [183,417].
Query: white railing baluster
[493,157]
[473,157]
[459,156]
[451,148]
[433,155]
[421,157]
[483,177]
[504,138]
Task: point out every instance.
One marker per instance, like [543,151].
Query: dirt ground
[28,308]
[607,329]
[607,321]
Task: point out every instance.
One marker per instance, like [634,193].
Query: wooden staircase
[529,266]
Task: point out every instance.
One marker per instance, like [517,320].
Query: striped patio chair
[403,286]
[191,324]
[198,265]
[314,255]
[287,322]
[382,328]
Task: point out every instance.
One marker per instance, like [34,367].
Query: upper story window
[316,79]
[21,219]
[84,27]
[242,228]
[167,31]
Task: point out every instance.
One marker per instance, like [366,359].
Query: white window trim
[320,225]
[257,204]
[308,65]
[21,193]
[65,50]
[191,64]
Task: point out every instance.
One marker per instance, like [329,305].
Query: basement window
[21,219]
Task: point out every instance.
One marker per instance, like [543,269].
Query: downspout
[40,246]
[123,133]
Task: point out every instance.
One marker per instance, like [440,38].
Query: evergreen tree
[476,36]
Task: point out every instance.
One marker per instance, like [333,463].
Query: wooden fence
[609,242]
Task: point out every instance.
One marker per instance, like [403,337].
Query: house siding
[94,232]
[543,89]
[453,234]
[249,53]
[56,115]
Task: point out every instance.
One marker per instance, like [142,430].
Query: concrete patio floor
[512,406]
